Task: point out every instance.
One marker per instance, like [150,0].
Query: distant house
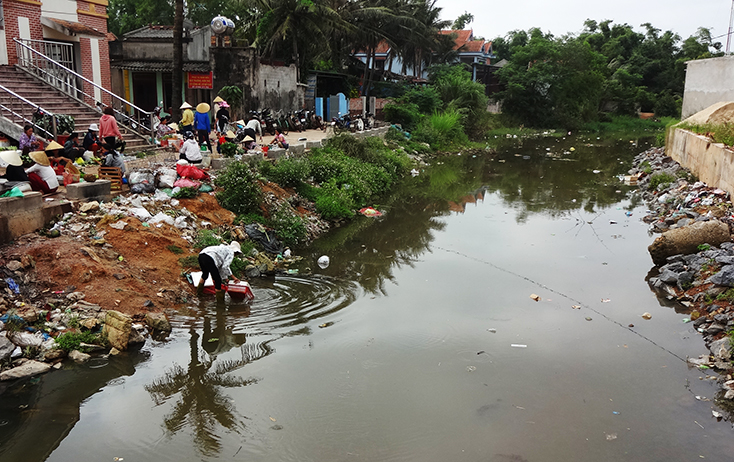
[476,53]
[142,70]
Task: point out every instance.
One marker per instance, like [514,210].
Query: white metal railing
[77,86]
[22,111]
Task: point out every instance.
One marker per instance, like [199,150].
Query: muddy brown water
[419,342]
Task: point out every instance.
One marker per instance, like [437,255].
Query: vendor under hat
[186,105]
[218,99]
[40,157]
[53,146]
[93,128]
[230,134]
[202,108]
[11,157]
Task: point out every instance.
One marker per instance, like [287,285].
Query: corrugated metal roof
[151,32]
[159,66]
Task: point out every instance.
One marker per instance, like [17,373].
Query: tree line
[606,69]
[547,80]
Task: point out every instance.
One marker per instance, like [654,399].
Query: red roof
[462,36]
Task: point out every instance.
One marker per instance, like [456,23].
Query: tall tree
[462,21]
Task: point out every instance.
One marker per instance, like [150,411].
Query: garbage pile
[38,334]
[698,270]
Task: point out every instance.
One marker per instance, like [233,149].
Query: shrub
[406,114]
[291,228]
[333,203]
[228,149]
[206,238]
[289,172]
[240,191]
[442,130]
[191,261]
[174,249]
[427,99]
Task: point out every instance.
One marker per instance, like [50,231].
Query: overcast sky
[496,18]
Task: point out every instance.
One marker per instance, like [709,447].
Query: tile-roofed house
[474,53]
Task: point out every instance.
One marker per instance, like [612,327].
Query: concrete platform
[99,190]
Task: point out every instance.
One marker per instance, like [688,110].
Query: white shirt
[46,173]
[191,150]
[222,256]
[255,125]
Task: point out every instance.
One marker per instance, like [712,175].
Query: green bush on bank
[240,191]
[442,130]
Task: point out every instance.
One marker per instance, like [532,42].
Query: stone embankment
[694,254]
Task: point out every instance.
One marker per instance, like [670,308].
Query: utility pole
[731,25]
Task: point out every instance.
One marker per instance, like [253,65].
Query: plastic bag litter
[15,192]
[140,213]
[267,238]
[189,171]
[26,339]
[12,285]
[166,177]
[141,176]
[323,262]
[160,196]
[180,222]
[161,217]
[142,188]
[186,183]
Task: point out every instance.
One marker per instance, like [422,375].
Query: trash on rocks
[266,238]
[12,285]
[26,339]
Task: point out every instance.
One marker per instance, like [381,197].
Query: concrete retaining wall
[712,163]
[23,215]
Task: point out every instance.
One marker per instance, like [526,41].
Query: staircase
[50,99]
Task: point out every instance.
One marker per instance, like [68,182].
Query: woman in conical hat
[14,171]
[187,118]
[41,176]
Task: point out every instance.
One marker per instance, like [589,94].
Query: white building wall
[708,81]
[60,9]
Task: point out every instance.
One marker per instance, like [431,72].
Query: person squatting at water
[216,260]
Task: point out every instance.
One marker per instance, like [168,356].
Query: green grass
[660,180]
[191,261]
[175,249]
[718,133]
[206,238]
[629,125]
[726,296]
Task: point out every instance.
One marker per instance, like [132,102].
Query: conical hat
[173,125]
[40,158]
[249,138]
[186,105]
[202,108]
[11,157]
[230,134]
[218,99]
[241,122]
[53,145]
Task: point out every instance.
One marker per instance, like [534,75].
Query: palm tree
[286,22]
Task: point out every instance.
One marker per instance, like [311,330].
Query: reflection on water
[199,389]
[378,363]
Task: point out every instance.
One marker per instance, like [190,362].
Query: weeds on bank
[660,180]
[69,341]
[719,133]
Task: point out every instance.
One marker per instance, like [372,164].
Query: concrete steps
[53,100]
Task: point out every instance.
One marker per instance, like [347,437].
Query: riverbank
[688,213]
[131,256]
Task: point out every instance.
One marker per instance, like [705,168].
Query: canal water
[420,341]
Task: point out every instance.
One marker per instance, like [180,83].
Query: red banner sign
[201,80]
